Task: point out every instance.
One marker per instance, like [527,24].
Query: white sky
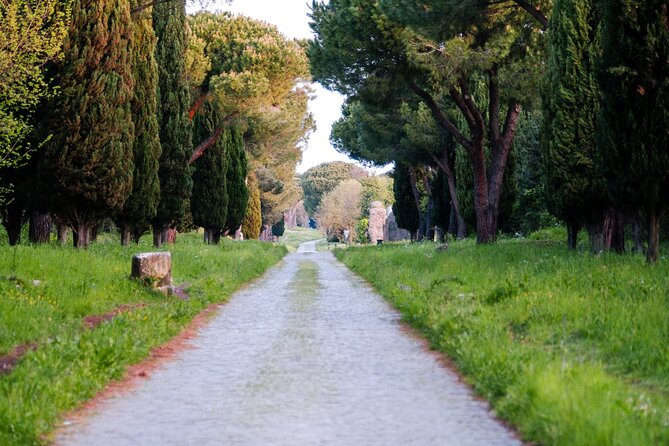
[290,16]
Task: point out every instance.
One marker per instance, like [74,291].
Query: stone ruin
[153,268]
[391,232]
[377,222]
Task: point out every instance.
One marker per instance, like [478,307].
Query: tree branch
[196,106]
[493,106]
[141,7]
[206,144]
[211,140]
[534,11]
[439,114]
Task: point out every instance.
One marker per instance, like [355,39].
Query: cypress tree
[142,204]
[634,126]
[209,203]
[570,98]
[89,161]
[279,228]
[406,213]
[238,193]
[252,224]
[169,22]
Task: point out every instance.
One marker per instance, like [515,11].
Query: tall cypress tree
[570,98]
[89,161]
[238,193]
[209,203]
[169,22]
[634,126]
[252,224]
[404,209]
[142,204]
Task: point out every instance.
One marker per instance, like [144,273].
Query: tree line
[560,105]
[149,117]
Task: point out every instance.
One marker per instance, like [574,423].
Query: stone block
[153,267]
[393,233]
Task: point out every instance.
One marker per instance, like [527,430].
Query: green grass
[72,363]
[293,237]
[572,349]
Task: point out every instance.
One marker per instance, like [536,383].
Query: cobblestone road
[308,355]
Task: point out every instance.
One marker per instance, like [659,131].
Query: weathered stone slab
[154,267]
[393,233]
[377,222]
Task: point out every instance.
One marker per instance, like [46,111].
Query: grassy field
[293,237]
[572,349]
[46,291]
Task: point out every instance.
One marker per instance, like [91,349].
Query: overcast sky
[290,16]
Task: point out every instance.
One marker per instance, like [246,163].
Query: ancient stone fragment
[154,268]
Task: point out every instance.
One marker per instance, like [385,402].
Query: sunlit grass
[45,291]
[571,348]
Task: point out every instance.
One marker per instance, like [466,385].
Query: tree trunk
[653,251]
[596,233]
[447,165]
[40,227]
[484,232]
[62,234]
[614,230]
[453,226]
[157,236]
[416,198]
[216,236]
[82,235]
[638,235]
[572,233]
[429,228]
[125,235]
[137,235]
[13,222]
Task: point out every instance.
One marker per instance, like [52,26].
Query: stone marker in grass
[153,268]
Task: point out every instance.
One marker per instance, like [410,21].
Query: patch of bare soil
[9,361]
[93,321]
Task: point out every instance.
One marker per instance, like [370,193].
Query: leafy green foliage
[340,209]
[211,198]
[278,228]
[238,193]
[257,77]
[32,35]
[252,224]
[404,209]
[634,125]
[89,161]
[376,189]
[169,23]
[566,346]
[142,204]
[319,180]
[570,100]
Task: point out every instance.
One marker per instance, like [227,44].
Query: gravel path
[308,355]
